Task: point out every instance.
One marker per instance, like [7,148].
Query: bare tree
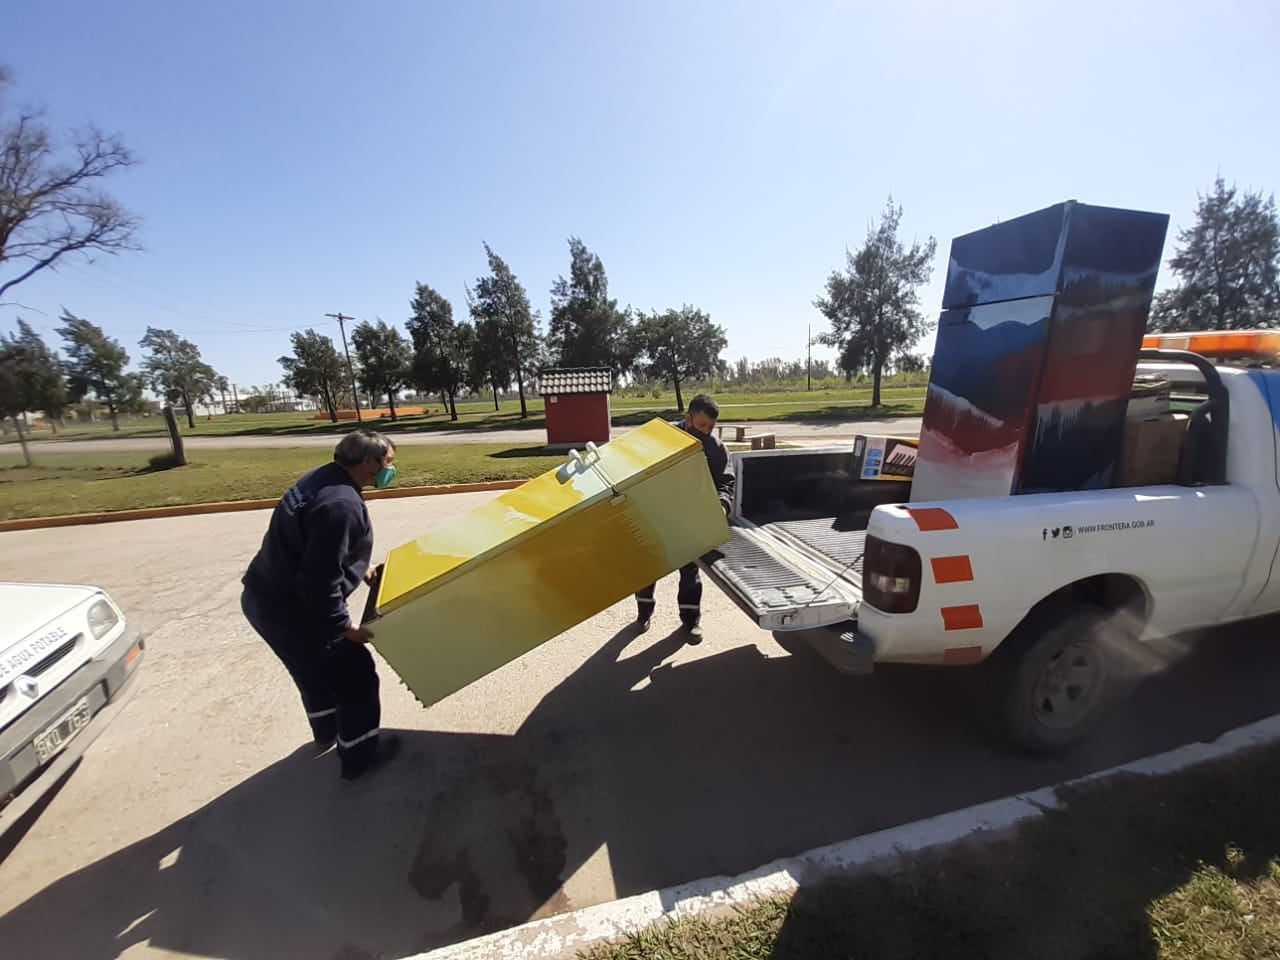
[50,203]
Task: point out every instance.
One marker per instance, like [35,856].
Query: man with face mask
[700,421]
[315,553]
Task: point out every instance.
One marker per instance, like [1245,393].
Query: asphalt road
[599,765]
[808,433]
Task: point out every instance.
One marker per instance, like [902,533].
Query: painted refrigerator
[1042,320]
[486,587]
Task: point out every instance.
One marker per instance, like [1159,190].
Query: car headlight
[102,619]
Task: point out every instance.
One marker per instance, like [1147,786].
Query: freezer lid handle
[591,461]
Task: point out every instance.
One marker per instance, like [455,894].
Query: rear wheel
[1054,677]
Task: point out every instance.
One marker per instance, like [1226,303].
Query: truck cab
[1041,590]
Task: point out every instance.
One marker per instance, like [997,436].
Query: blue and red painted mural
[1042,320]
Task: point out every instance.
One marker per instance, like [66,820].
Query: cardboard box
[1150,397]
[1151,449]
[884,458]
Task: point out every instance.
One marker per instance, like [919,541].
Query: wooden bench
[763,441]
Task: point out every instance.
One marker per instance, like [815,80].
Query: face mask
[384,477]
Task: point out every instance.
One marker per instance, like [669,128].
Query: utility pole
[809,364]
[355,394]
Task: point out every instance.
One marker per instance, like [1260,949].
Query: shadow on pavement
[714,766]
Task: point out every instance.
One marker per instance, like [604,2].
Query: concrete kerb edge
[233,506]
[560,937]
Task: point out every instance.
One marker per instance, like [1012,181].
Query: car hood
[26,607]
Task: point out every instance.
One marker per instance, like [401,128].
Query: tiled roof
[575,380]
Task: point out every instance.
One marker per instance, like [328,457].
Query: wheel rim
[1068,687]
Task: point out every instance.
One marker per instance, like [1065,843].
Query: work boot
[693,633]
[644,615]
[388,747]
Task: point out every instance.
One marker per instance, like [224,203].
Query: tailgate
[771,575]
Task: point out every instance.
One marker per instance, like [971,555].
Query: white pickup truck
[1042,589]
[68,660]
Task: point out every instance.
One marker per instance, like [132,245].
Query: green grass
[831,404]
[1181,867]
[63,483]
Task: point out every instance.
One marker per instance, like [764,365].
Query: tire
[1054,677]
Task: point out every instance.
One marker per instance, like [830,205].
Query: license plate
[50,743]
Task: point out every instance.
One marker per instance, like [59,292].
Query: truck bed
[798,534]
[829,537]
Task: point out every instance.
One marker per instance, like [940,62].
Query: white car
[68,659]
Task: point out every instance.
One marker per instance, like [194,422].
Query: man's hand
[370,574]
[358,634]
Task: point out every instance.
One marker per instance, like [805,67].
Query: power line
[235,326]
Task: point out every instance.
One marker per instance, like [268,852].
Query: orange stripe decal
[967,617]
[952,569]
[929,519]
[962,655]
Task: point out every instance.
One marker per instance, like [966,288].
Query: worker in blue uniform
[699,421]
[315,553]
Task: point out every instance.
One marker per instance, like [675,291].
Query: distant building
[577,404]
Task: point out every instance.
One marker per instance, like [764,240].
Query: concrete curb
[234,506]
[561,937]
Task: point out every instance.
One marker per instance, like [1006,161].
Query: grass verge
[849,405]
[1175,867]
[64,483]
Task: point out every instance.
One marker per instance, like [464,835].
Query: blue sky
[301,158]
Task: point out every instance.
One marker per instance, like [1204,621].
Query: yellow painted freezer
[481,589]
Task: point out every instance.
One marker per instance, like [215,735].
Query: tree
[586,328]
[50,204]
[14,362]
[315,369]
[95,365]
[462,346]
[385,359]
[30,379]
[678,346]
[256,399]
[132,398]
[908,362]
[500,305]
[175,370]
[48,384]
[489,367]
[1228,266]
[873,305]
[442,349]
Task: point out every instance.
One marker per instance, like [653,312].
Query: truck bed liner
[765,581]
[799,530]
[828,537]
